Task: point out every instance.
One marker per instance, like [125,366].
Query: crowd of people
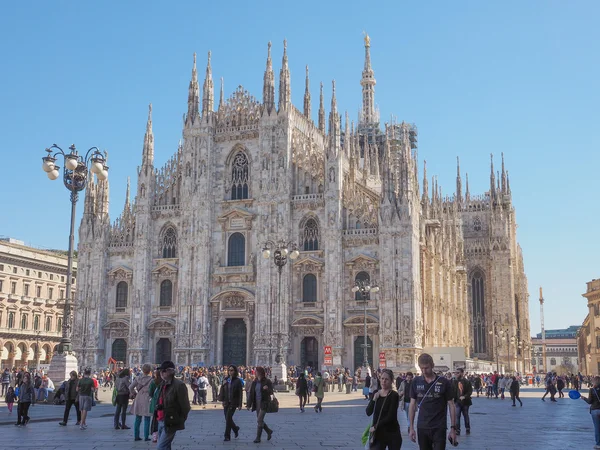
[161,401]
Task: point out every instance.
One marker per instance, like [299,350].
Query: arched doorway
[234,342]
[359,355]
[309,352]
[163,350]
[119,350]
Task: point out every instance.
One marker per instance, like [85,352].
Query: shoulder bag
[273,405]
[372,433]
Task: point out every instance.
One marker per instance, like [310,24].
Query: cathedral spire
[347,136]
[285,89]
[425,184]
[321,111]
[368,114]
[269,84]
[307,96]
[333,115]
[492,178]
[208,96]
[458,182]
[193,94]
[467,193]
[504,190]
[507,184]
[148,152]
[222,95]
[128,194]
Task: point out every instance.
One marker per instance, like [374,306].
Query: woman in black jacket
[258,399]
[593,399]
[122,386]
[231,395]
[384,408]
[302,391]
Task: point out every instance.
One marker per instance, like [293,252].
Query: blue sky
[476,77]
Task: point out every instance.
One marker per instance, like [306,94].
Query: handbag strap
[381,410]
[427,393]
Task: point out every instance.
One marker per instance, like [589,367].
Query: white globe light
[71,163]
[53,174]
[47,166]
[284,251]
[375,289]
[102,175]
[97,167]
[266,253]
[294,254]
[355,289]
[367,288]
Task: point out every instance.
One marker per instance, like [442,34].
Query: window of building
[48,326]
[119,350]
[236,250]
[310,236]
[13,287]
[50,293]
[552,361]
[27,272]
[39,274]
[62,293]
[36,322]
[52,276]
[24,320]
[122,292]
[477,224]
[166,293]
[2,267]
[38,291]
[59,324]
[478,302]
[11,320]
[309,288]
[597,341]
[1,285]
[26,290]
[364,279]
[14,270]
[62,278]
[239,177]
[169,244]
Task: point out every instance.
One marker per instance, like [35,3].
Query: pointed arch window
[166,293]
[48,326]
[24,320]
[236,250]
[36,322]
[478,302]
[309,288]
[239,177]
[477,224]
[122,292]
[310,236]
[59,324]
[362,278]
[169,244]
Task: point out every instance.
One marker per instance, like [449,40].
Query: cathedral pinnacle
[467,193]
[193,94]
[269,84]
[222,95]
[492,178]
[285,89]
[333,116]
[128,193]
[148,152]
[208,96]
[368,113]
[321,111]
[504,177]
[307,96]
[458,182]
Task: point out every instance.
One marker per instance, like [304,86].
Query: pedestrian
[172,406]
[477,385]
[5,379]
[26,399]
[514,391]
[385,428]
[593,399]
[122,385]
[301,391]
[85,390]
[319,390]
[560,385]
[463,390]
[258,400]
[71,399]
[231,395]
[153,391]
[140,392]
[202,389]
[404,392]
[432,396]
[10,399]
[550,388]
[366,388]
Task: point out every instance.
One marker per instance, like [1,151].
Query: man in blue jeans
[462,399]
[172,407]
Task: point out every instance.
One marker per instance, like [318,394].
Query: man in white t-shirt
[202,389]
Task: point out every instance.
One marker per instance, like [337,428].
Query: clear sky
[519,77]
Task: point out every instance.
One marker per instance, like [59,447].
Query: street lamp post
[494,333]
[75,178]
[281,251]
[364,287]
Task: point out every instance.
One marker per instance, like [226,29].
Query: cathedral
[180,274]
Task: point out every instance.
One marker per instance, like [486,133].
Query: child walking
[10,399]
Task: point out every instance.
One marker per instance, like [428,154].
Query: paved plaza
[495,425]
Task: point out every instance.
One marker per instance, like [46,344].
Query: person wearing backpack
[122,384]
[194,386]
[202,389]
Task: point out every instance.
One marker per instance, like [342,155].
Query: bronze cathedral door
[234,342]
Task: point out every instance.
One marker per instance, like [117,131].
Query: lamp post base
[279,370]
[61,366]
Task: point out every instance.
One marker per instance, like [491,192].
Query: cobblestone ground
[495,425]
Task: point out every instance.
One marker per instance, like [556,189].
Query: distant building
[32,292]
[588,337]
[566,333]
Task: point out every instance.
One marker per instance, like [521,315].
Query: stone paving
[495,425]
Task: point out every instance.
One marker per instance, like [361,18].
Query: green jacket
[320,384]
[153,392]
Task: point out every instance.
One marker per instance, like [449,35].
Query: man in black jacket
[258,400]
[172,407]
[231,395]
[463,390]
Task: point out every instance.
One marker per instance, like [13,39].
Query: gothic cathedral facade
[179,274]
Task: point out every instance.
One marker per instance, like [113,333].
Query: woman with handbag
[319,390]
[302,390]
[122,399]
[258,400]
[139,391]
[385,431]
